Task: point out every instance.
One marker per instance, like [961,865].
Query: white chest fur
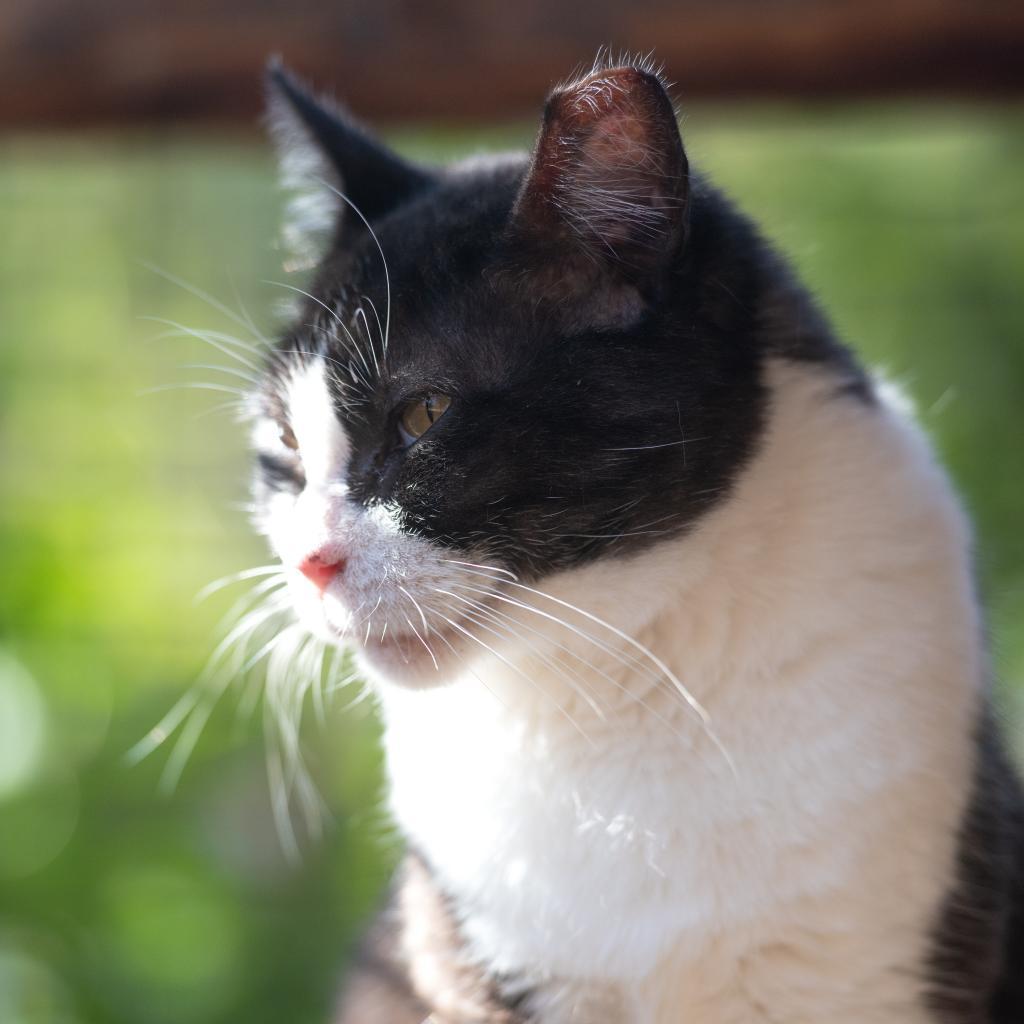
[824,617]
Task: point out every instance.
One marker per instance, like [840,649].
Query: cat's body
[720,750]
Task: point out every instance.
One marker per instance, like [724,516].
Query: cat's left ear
[325,155]
[603,211]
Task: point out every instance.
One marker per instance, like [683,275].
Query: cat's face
[506,370]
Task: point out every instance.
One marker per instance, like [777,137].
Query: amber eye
[419,415]
[287,437]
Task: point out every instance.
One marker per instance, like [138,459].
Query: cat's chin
[393,668]
[398,658]
[405,660]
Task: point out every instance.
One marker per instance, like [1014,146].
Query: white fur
[389,577]
[824,617]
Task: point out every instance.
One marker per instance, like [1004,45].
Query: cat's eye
[420,414]
[287,437]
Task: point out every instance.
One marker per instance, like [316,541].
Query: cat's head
[503,370]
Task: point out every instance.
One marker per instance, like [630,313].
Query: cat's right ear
[604,208]
[338,173]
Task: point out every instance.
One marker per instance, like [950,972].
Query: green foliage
[120,904]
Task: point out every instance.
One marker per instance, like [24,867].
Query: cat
[666,603]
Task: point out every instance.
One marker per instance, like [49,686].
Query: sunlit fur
[670,616]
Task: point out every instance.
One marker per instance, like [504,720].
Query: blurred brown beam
[140,61]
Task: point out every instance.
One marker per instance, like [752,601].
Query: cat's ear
[603,210]
[325,156]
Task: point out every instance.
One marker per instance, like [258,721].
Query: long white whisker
[248,623]
[226,344]
[426,627]
[426,646]
[493,568]
[242,374]
[213,338]
[354,347]
[189,737]
[380,329]
[651,447]
[519,672]
[242,408]
[341,323]
[689,699]
[455,653]
[204,297]
[624,658]
[195,386]
[387,277]
[167,725]
[235,577]
[317,674]
[369,338]
[503,623]
[247,320]
[416,605]
[693,703]
[580,658]
[309,295]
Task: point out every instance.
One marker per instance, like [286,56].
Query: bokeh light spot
[30,991]
[175,937]
[36,824]
[22,725]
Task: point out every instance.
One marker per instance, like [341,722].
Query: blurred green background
[121,904]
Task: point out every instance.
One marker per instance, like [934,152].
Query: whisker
[207,335]
[380,329]
[210,338]
[333,313]
[369,337]
[387,277]
[247,320]
[576,683]
[416,632]
[242,374]
[456,654]
[637,698]
[426,627]
[317,667]
[204,297]
[691,701]
[651,447]
[235,577]
[493,568]
[626,660]
[164,729]
[472,636]
[241,406]
[666,672]
[195,386]
[309,295]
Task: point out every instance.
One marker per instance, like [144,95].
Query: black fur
[976,970]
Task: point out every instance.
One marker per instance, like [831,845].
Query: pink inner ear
[619,141]
[609,173]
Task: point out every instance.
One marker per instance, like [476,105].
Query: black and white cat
[667,604]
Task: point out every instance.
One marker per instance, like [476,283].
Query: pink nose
[320,570]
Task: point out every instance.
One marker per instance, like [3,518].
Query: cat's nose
[320,569]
